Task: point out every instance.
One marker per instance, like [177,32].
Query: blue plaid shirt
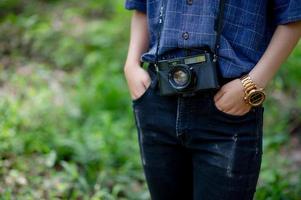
[248,26]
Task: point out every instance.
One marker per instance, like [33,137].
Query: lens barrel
[182,77]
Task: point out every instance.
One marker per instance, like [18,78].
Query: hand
[138,80]
[229,99]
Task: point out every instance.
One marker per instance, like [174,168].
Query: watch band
[254,95]
[248,83]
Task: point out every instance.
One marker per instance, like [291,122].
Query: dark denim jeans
[190,150]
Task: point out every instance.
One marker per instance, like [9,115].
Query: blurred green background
[66,124]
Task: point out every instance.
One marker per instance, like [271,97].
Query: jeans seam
[258,122]
[259,118]
[140,136]
[178,120]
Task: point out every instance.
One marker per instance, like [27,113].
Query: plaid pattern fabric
[248,26]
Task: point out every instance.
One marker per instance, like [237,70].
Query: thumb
[146,82]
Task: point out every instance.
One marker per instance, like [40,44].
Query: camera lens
[181,76]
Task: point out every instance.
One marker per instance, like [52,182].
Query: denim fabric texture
[247,28]
[190,150]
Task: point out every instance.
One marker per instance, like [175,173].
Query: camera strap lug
[156,67]
[214,58]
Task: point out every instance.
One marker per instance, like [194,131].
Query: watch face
[256,97]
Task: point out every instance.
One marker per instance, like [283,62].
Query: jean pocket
[148,90]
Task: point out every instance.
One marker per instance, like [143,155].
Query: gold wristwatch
[254,95]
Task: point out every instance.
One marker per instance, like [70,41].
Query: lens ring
[180,76]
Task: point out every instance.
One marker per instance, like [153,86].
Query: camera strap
[159,32]
[217,28]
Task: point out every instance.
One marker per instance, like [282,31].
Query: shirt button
[189,2]
[185,36]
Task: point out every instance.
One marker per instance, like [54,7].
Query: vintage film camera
[187,75]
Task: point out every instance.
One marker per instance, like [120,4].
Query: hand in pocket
[230,99]
[138,80]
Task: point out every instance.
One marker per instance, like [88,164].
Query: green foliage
[66,123]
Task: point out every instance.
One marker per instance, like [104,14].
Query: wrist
[132,65]
[258,80]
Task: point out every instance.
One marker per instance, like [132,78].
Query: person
[206,146]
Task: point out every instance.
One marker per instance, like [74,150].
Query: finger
[222,107]
[140,88]
[146,81]
[227,110]
[234,111]
[224,103]
[239,111]
[218,95]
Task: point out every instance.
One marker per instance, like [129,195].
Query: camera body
[187,75]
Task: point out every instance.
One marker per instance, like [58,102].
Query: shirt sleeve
[139,5]
[286,11]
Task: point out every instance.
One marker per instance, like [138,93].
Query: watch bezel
[253,92]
